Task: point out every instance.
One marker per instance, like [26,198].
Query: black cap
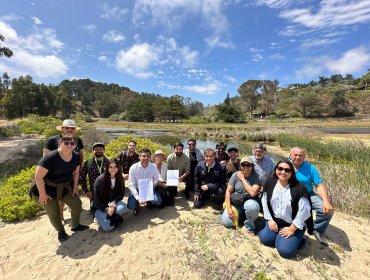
[98,144]
[233,148]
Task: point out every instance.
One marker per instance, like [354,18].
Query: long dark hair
[292,180]
[120,182]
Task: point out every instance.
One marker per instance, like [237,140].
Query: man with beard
[266,165]
[93,168]
[233,164]
[195,155]
[177,161]
[128,158]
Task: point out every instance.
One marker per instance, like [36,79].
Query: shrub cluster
[15,202]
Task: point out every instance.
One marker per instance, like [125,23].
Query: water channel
[167,138]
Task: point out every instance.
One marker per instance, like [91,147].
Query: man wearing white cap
[68,127]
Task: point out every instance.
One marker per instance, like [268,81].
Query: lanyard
[101,165]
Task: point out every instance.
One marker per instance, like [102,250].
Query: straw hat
[159,153]
[67,123]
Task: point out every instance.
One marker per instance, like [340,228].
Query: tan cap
[246,159]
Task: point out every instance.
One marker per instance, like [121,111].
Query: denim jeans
[248,213]
[287,247]
[132,203]
[101,216]
[322,220]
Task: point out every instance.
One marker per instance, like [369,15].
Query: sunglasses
[191,144]
[287,170]
[67,127]
[66,143]
[246,165]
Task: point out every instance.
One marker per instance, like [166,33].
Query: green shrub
[8,131]
[197,120]
[15,202]
[39,125]
[120,144]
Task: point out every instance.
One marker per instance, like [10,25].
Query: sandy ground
[12,146]
[176,243]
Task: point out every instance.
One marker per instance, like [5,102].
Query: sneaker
[321,238]
[80,228]
[62,236]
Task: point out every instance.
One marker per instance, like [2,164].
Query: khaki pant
[53,212]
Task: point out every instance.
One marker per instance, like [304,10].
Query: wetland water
[167,138]
[345,130]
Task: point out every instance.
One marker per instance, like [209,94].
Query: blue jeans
[322,220]
[101,216]
[287,247]
[133,204]
[247,213]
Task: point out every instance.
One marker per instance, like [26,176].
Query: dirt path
[10,147]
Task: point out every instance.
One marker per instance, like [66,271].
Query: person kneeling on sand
[287,209]
[242,193]
[108,193]
[56,180]
[143,173]
[210,180]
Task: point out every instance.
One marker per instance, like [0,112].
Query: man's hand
[196,197]
[125,176]
[75,192]
[231,213]
[88,195]
[204,187]
[288,231]
[327,207]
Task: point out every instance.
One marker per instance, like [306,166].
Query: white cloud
[36,20]
[275,3]
[10,17]
[208,88]
[352,61]
[190,57]
[230,78]
[113,36]
[277,56]
[89,27]
[136,60]
[330,13]
[314,43]
[171,15]
[35,54]
[113,13]
[103,58]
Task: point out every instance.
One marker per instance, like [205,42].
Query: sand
[176,243]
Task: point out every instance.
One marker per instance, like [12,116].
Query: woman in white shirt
[108,193]
[287,210]
[159,161]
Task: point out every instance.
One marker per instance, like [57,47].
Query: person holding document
[180,162]
[161,186]
[143,176]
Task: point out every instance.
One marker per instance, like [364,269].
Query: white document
[146,190]
[173,178]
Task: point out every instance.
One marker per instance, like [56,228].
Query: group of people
[286,193]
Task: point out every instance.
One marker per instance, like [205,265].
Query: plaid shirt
[93,173]
[126,161]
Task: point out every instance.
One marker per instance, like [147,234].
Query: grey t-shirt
[253,179]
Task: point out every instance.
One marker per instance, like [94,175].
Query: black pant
[217,197]
[168,196]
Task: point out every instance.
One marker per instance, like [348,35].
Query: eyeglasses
[191,144]
[66,143]
[67,127]
[287,170]
[246,165]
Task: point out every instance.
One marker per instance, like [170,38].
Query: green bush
[8,131]
[15,202]
[197,120]
[39,125]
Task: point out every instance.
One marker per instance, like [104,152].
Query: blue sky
[202,49]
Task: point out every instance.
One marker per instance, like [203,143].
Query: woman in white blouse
[159,161]
[287,210]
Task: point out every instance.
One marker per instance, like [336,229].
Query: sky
[202,49]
